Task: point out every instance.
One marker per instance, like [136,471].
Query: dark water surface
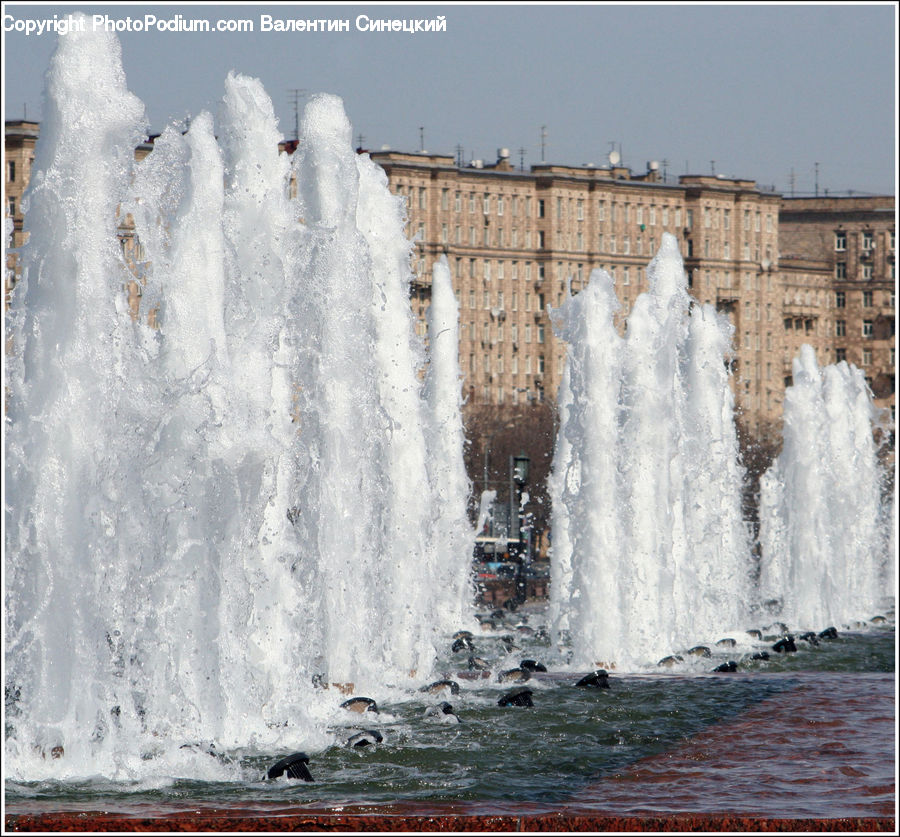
[810,734]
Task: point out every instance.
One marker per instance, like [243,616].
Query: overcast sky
[760,89]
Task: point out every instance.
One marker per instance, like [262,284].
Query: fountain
[211,522]
[650,548]
[825,556]
[219,526]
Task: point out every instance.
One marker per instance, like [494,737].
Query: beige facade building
[841,252]
[785,271]
[18,157]
[514,239]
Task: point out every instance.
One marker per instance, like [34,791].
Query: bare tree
[494,434]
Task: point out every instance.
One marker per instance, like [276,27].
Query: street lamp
[521,464]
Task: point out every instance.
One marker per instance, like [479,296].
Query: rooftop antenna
[25,111]
[712,167]
[459,156]
[543,142]
[360,139]
[793,180]
[296,93]
[817,178]
[421,138]
[521,159]
[665,166]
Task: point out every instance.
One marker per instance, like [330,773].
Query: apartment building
[18,157]
[839,272]
[784,271]
[514,240]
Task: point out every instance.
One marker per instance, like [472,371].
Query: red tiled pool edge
[100,822]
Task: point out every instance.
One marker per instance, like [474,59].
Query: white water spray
[646,485]
[210,521]
[824,558]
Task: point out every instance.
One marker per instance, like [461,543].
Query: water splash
[210,521]
[824,557]
[646,482]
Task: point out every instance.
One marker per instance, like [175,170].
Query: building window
[840,328]
[868,328]
[601,210]
[840,299]
[840,241]
[11,171]
[540,239]
[445,199]
[421,197]
[626,279]
[867,272]
[527,332]
[579,210]
[471,201]
[866,357]
[457,202]
[868,241]
[840,354]
[626,246]
[840,270]
[12,207]
[486,204]
[867,299]
[540,208]
[540,334]
[499,204]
